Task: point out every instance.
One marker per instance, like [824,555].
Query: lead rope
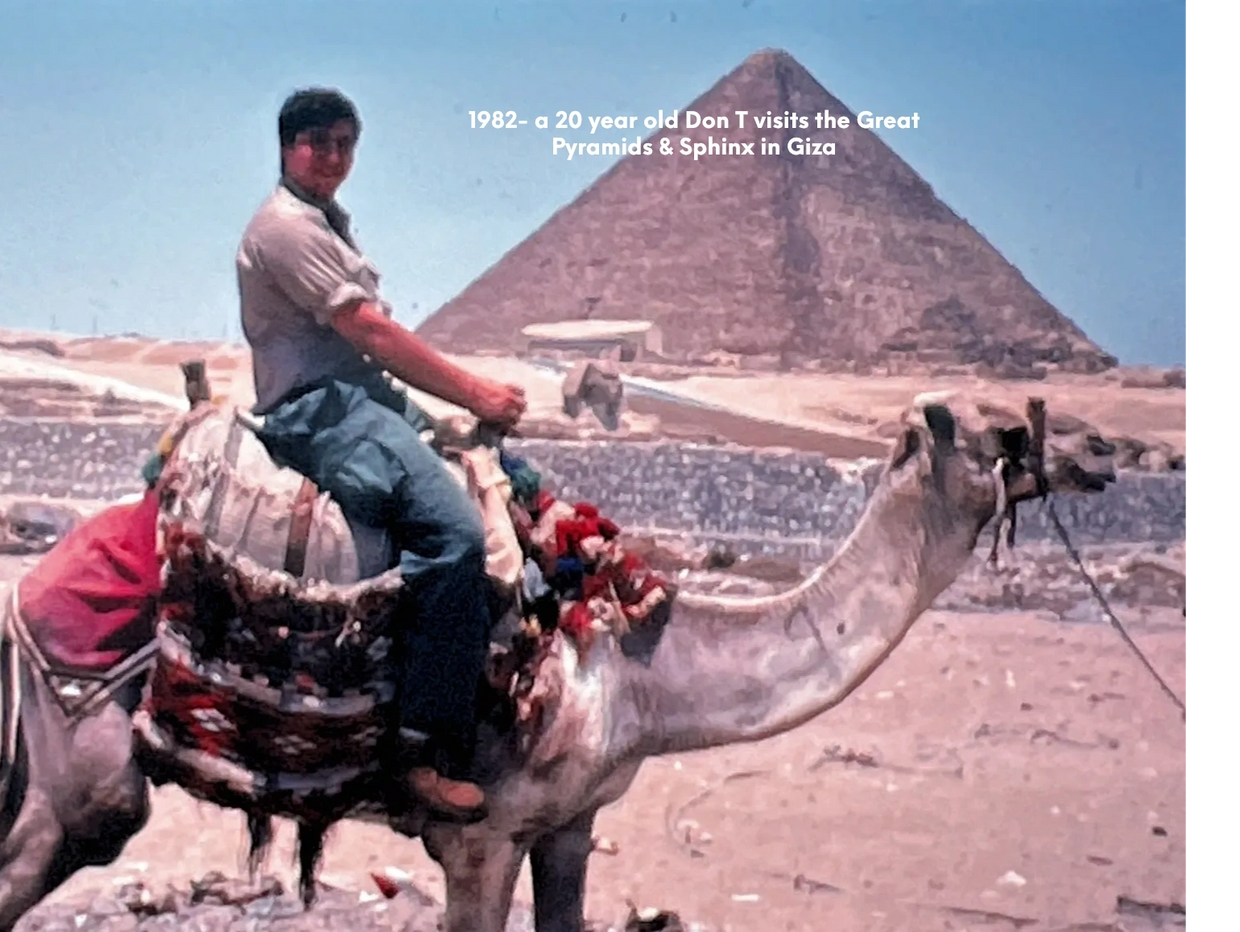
[1005,515]
[1115,622]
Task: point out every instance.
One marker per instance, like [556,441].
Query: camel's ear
[942,424]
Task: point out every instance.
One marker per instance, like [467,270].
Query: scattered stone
[33,526]
[1160,913]
[652,920]
[809,885]
[988,917]
[605,846]
[836,754]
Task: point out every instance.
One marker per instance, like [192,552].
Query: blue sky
[139,136]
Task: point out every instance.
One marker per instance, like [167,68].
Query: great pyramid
[835,261]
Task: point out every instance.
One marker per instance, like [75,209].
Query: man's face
[319,160]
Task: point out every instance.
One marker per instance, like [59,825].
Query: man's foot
[453,798]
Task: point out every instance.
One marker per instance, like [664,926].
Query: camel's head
[985,456]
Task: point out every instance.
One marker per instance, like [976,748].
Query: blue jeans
[362,445]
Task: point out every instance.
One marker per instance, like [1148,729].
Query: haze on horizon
[140,137]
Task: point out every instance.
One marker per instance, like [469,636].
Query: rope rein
[1005,518]
[1115,622]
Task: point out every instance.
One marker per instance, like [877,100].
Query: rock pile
[1037,577]
[750,497]
[219,904]
[1043,578]
[29,527]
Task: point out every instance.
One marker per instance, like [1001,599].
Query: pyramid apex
[770,54]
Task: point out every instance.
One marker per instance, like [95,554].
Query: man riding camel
[323,340]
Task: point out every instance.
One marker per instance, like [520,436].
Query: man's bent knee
[453,542]
[465,545]
[457,525]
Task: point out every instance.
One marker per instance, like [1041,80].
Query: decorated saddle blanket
[90,601]
[275,690]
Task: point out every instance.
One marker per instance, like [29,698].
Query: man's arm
[406,355]
[320,275]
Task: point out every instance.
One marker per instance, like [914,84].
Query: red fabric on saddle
[91,600]
[587,523]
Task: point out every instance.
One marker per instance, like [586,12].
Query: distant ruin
[623,340]
[837,262]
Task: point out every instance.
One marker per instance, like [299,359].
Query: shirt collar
[337,217]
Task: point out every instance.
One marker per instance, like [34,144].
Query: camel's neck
[731,670]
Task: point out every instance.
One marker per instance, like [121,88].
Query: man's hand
[498,404]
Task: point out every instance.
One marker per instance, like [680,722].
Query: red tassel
[570,533]
[578,623]
[542,501]
[603,527]
[594,584]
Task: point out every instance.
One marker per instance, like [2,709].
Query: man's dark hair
[315,108]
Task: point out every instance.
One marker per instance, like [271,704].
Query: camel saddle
[220,479]
[273,680]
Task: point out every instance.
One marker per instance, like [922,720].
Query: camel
[722,670]
[595,383]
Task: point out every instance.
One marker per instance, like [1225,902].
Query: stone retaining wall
[719,493]
[713,493]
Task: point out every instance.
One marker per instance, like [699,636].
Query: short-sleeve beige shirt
[294,273]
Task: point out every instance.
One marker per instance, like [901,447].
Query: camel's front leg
[558,864]
[480,870]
